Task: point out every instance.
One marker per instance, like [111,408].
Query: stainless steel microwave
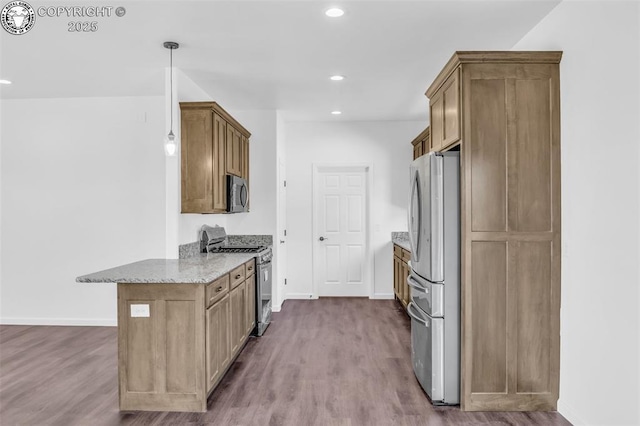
[237,194]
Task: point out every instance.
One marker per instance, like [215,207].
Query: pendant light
[170,146]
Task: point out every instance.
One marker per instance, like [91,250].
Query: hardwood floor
[333,361]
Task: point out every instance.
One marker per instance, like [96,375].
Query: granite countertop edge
[200,269]
[401,239]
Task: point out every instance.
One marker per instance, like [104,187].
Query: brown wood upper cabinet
[213,144]
[421,143]
[444,106]
[505,110]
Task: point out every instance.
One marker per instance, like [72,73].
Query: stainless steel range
[214,240]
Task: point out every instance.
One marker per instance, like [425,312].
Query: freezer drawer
[427,295]
[427,352]
[435,355]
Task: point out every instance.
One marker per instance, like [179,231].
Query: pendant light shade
[170,145]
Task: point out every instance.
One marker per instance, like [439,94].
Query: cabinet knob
[219,289]
[238,276]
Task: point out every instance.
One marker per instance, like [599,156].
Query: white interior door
[340,232]
[282,233]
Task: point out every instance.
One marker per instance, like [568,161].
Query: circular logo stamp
[17,17]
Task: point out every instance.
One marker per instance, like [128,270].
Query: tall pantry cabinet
[502,111]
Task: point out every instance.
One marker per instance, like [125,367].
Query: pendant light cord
[171,88]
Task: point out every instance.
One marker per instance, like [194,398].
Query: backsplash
[188,250]
[192,249]
[236,240]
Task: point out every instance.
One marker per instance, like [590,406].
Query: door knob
[281,241]
[323,238]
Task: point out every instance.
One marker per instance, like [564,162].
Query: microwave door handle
[244,195]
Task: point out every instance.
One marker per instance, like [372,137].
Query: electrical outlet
[140,311]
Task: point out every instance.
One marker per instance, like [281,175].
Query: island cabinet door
[161,347]
[218,342]
[238,315]
[250,320]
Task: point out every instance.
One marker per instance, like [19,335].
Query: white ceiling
[266,54]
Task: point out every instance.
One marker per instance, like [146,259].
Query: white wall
[600,88]
[188,224]
[82,188]
[385,145]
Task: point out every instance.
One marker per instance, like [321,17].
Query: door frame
[367,169]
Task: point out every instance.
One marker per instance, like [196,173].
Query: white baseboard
[570,414]
[305,296]
[276,308]
[103,322]
[385,296]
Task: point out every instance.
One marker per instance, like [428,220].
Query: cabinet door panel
[531,275]
[250,319]
[488,155]
[238,315]
[437,121]
[417,151]
[219,168]
[530,202]
[217,343]
[234,148]
[196,161]
[489,317]
[451,110]
[405,274]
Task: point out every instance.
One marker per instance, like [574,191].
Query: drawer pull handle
[250,268]
[219,289]
[238,276]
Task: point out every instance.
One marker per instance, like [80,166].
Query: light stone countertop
[401,239]
[200,269]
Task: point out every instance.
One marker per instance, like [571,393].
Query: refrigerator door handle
[411,307]
[413,284]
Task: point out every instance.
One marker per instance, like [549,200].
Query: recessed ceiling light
[337,77]
[336,112]
[5,82]
[334,12]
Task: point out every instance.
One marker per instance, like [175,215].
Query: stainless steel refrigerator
[434,234]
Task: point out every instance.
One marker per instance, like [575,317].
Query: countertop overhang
[200,269]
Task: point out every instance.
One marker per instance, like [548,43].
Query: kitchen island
[181,323]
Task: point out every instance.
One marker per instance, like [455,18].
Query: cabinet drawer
[397,251]
[250,268]
[216,290]
[237,276]
[406,255]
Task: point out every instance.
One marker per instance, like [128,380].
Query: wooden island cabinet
[502,111]
[172,355]
[401,271]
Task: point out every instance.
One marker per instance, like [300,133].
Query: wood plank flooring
[332,361]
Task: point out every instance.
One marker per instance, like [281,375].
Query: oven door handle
[410,307]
